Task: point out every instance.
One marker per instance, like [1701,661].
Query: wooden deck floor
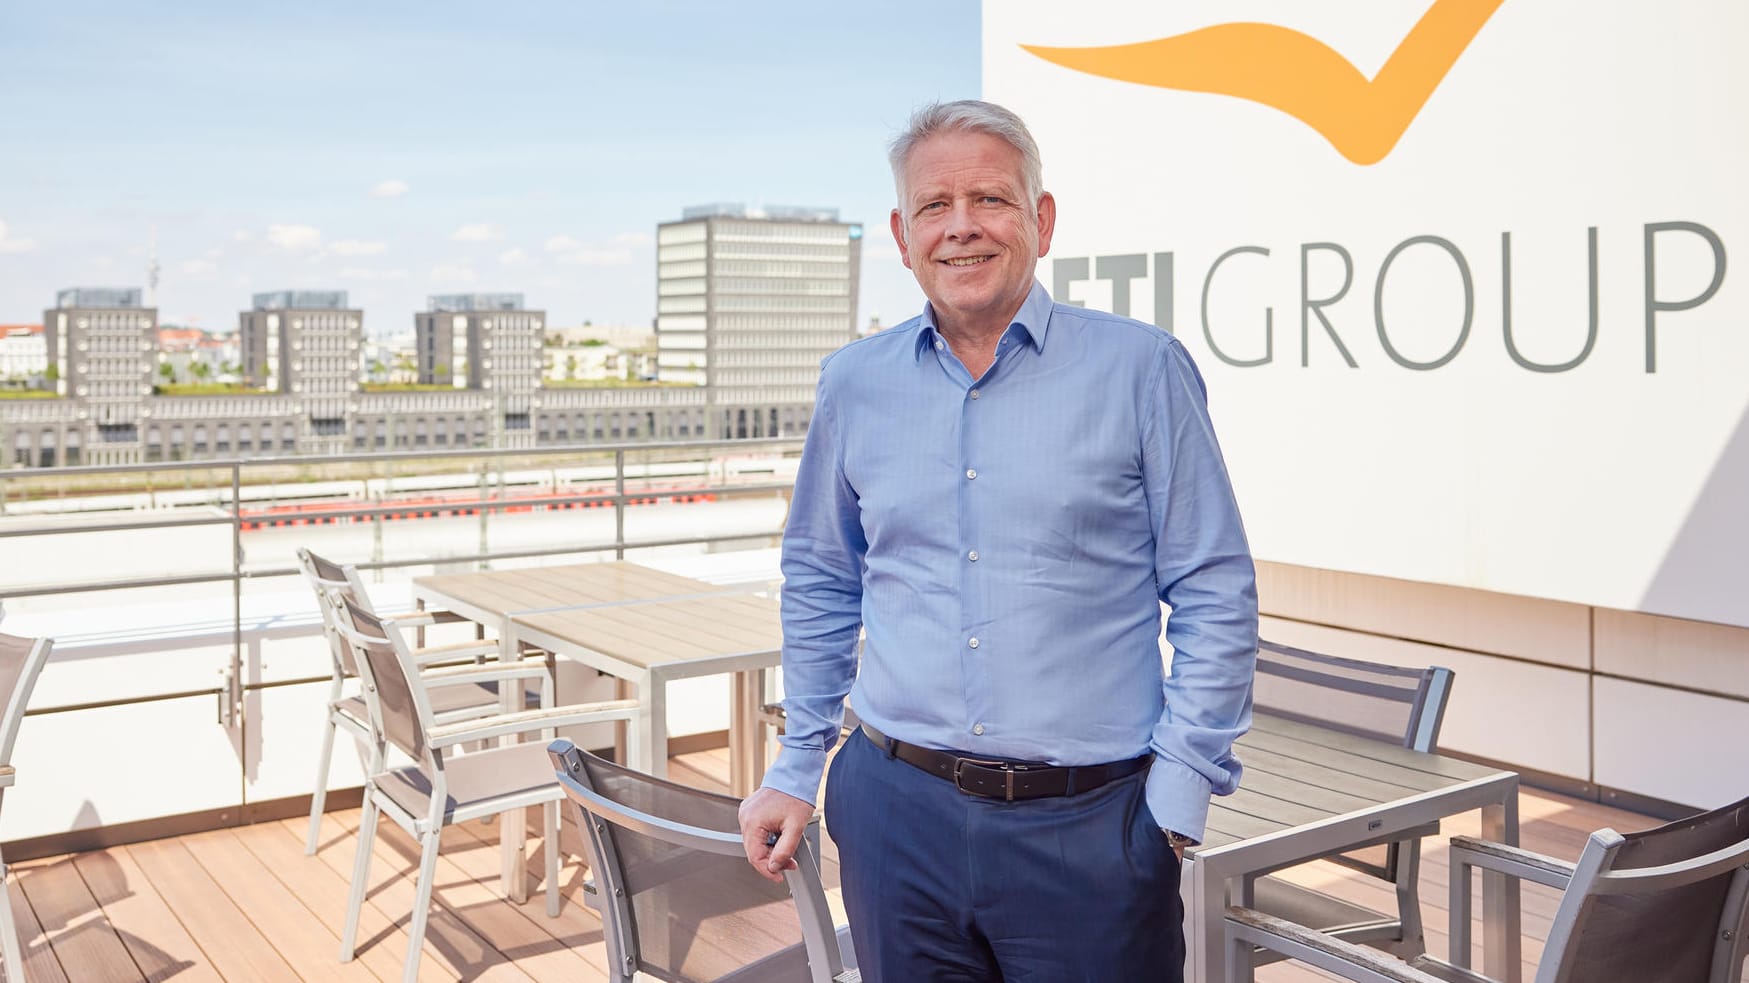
[246,904]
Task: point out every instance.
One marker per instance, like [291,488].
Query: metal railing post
[619,505]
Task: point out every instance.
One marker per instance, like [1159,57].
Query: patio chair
[334,582]
[1390,703]
[441,787]
[21,659]
[1663,906]
[677,899]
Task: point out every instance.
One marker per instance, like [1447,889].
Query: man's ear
[1047,222]
[898,225]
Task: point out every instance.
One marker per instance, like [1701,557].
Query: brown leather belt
[1010,781]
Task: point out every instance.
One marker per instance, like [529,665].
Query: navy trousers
[944,887]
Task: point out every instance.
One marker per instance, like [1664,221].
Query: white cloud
[356,247]
[478,232]
[513,257]
[389,189]
[365,274]
[596,257]
[295,238]
[11,245]
[198,267]
[242,235]
[453,274]
[618,251]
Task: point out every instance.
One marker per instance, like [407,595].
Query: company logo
[1297,74]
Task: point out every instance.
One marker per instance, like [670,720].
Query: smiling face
[966,230]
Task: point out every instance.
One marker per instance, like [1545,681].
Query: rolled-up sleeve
[1205,575]
[823,555]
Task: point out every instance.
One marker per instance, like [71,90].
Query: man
[1001,492]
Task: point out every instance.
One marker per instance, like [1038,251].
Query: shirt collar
[1033,319]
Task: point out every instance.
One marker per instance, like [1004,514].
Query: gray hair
[969,116]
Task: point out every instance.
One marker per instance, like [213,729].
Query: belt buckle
[1007,768]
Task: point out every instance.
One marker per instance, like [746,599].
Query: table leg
[1502,931]
[744,766]
[1205,919]
[654,719]
[622,730]
[512,828]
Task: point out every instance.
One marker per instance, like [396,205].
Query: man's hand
[765,812]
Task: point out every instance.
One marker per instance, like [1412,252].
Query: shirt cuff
[1178,798]
[797,772]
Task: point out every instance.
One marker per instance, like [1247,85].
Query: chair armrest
[528,721]
[7,775]
[457,650]
[1512,861]
[488,673]
[1326,952]
[1468,853]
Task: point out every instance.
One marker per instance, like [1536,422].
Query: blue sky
[396,149]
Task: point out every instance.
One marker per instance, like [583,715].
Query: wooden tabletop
[661,632]
[1298,773]
[495,593]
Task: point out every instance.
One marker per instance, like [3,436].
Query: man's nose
[962,223]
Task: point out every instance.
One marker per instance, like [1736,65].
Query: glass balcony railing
[181,621]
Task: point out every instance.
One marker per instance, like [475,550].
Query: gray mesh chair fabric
[443,786]
[21,660]
[334,583]
[1667,905]
[1389,703]
[678,901]
[1621,920]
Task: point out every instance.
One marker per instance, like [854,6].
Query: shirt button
[971,473]
[938,346]
[978,730]
[972,642]
[972,556]
[974,394]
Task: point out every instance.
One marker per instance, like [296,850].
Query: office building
[748,301]
[101,345]
[304,343]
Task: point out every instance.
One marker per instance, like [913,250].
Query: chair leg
[367,834]
[14,958]
[550,834]
[319,798]
[421,902]
[1412,938]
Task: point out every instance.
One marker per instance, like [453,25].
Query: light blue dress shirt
[1006,542]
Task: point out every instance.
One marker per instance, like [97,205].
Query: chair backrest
[399,709]
[678,900]
[21,659]
[1395,703]
[1666,905]
[333,582]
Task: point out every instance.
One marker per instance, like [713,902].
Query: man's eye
[934,206]
[991,200]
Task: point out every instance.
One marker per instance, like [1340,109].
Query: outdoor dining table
[499,599]
[1310,791]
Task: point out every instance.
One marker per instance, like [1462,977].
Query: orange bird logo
[1299,75]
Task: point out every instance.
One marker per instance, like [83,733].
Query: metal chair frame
[830,956]
[34,654]
[1594,877]
[432,748]
[1424,694]
[333,582]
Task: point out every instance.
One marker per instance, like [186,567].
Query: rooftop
[98,297]
[301,300]
[475,302]
[772,213]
